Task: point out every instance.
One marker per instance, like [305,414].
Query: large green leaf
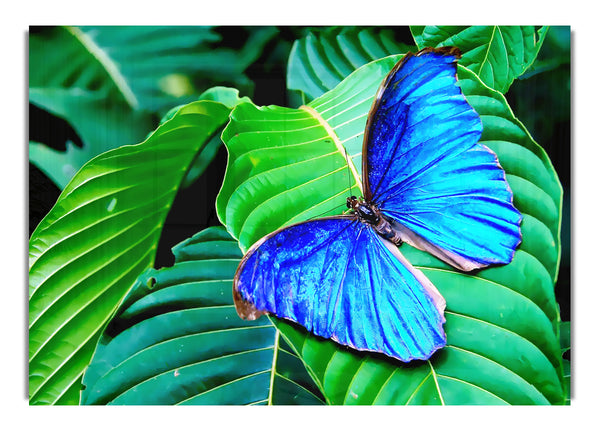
[287,165]
[100,235]
[177,339]
[497,54]
[105,80]
[321,60]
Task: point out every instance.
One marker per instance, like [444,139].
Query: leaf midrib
[331,133]
[108,65]
[487,51]
[308,368]
[273,366]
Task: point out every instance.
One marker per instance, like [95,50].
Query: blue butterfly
[427,182]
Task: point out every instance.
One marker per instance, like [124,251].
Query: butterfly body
[367,212]
[426,182]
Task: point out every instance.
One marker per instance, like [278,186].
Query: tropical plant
[106,326]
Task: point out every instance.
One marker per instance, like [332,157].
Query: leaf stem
[433,373]
[275,354]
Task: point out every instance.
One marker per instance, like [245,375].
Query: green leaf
[104,81]
[228,97]
[149,67]
[100,235]
[321,60]
[554,53]
[288,165]
[497,54]
[177,339]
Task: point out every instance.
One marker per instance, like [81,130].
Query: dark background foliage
[541,99]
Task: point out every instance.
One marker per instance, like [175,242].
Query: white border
[17,16]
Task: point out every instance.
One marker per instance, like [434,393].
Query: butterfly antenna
[328,211]
[348,161]
[349,172]
[343,205]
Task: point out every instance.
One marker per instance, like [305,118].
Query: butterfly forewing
[427,172]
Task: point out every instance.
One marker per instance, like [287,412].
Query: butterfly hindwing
[337,278]
[426,170]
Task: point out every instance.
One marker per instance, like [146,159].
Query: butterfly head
[365,211]
[352,202]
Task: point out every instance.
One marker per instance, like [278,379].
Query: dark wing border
[444,50]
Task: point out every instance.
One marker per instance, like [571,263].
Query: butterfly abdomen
[384,229]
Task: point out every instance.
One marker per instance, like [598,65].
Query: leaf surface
[497,54]
[321,60]
[288,165]
[100,235]
[177,339]
[150,68]
[105,81]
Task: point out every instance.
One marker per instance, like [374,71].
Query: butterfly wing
[425,169]
[336,277]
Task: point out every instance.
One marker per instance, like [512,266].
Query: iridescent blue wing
[424,168]
[336,277]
